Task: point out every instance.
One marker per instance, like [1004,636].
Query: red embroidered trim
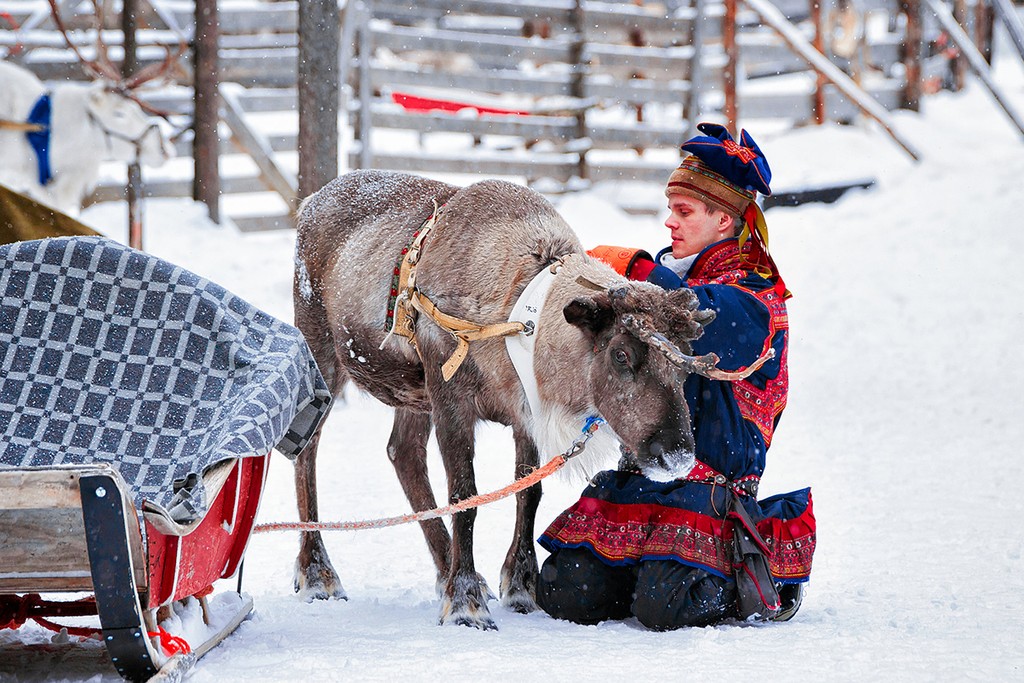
[629,533]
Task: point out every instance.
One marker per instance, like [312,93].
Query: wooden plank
[114,192]
[558,166]
[275,17]
[555,128]
[264,223]
[1006,12]
[601,16]
[43,542]
[42,533]
[870,107]
[26,489]
[601,86]
[256,146]
[975,60]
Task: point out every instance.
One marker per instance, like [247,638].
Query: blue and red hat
[727,175]
[720,171]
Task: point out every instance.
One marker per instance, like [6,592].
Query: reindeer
[88,123]
[604,347]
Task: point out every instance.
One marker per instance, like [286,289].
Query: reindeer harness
[407,302]
[37,130]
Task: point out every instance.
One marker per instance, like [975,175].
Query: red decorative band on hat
[695,178]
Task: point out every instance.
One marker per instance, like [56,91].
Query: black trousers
[662,594]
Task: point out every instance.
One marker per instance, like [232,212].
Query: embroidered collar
[527,310]
[714,261]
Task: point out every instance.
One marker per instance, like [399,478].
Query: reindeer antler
[705,365]
[102,67]
[99,67]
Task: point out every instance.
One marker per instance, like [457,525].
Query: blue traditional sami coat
[625,518]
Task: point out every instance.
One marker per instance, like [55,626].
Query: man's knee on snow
[576,586]
[671,595]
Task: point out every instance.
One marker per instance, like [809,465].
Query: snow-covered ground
[905,417]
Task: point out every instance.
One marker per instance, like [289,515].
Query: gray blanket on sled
[111,355]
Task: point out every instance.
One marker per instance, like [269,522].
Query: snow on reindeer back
[110,355]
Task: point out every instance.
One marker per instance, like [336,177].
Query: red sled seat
[139,404]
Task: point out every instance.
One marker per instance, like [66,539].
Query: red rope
[529,480]
[15,611]
[172,645]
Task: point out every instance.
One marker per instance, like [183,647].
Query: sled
[76,529]
[139,404]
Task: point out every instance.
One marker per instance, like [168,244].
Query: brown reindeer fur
[491,239]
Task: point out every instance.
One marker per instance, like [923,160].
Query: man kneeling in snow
[701,548]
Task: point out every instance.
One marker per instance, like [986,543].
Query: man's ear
[591,314]
[726,223]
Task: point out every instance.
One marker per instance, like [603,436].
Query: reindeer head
[131,135]
[113,105]
[641,335]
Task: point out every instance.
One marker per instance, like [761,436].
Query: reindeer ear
[589,314]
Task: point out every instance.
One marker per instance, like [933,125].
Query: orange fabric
[621,259]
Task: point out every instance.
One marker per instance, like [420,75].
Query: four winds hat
[727,175]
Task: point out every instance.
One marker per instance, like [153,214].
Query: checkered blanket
[110,355]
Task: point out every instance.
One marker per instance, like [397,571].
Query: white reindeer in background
[89,123]
[52,141]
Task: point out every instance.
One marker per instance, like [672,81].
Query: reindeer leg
[465,594]
[407,450]
[315,578]
[519,572]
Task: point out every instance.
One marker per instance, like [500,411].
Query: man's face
[694,225]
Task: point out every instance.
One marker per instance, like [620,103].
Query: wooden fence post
[959,65]
[692,109]
[984,23]
[578,80]
[364,123]
[129,65]
[912,44]
[729,73]
[818,104]
[319,34]
[206,143]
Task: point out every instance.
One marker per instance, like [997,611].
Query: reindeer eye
[620,357]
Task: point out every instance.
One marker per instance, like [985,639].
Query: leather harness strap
[410,299]
[21,126]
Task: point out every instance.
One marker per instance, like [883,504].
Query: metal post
[129,66]
[206,143]
[319,35]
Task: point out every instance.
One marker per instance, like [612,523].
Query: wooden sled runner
[75,529]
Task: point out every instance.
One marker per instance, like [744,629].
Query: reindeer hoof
[318,582]
[519,601]
[467,606]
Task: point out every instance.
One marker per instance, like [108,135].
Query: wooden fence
[600,90]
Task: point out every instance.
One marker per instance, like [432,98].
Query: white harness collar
[520,347]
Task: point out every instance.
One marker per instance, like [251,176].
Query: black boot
[790,597]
